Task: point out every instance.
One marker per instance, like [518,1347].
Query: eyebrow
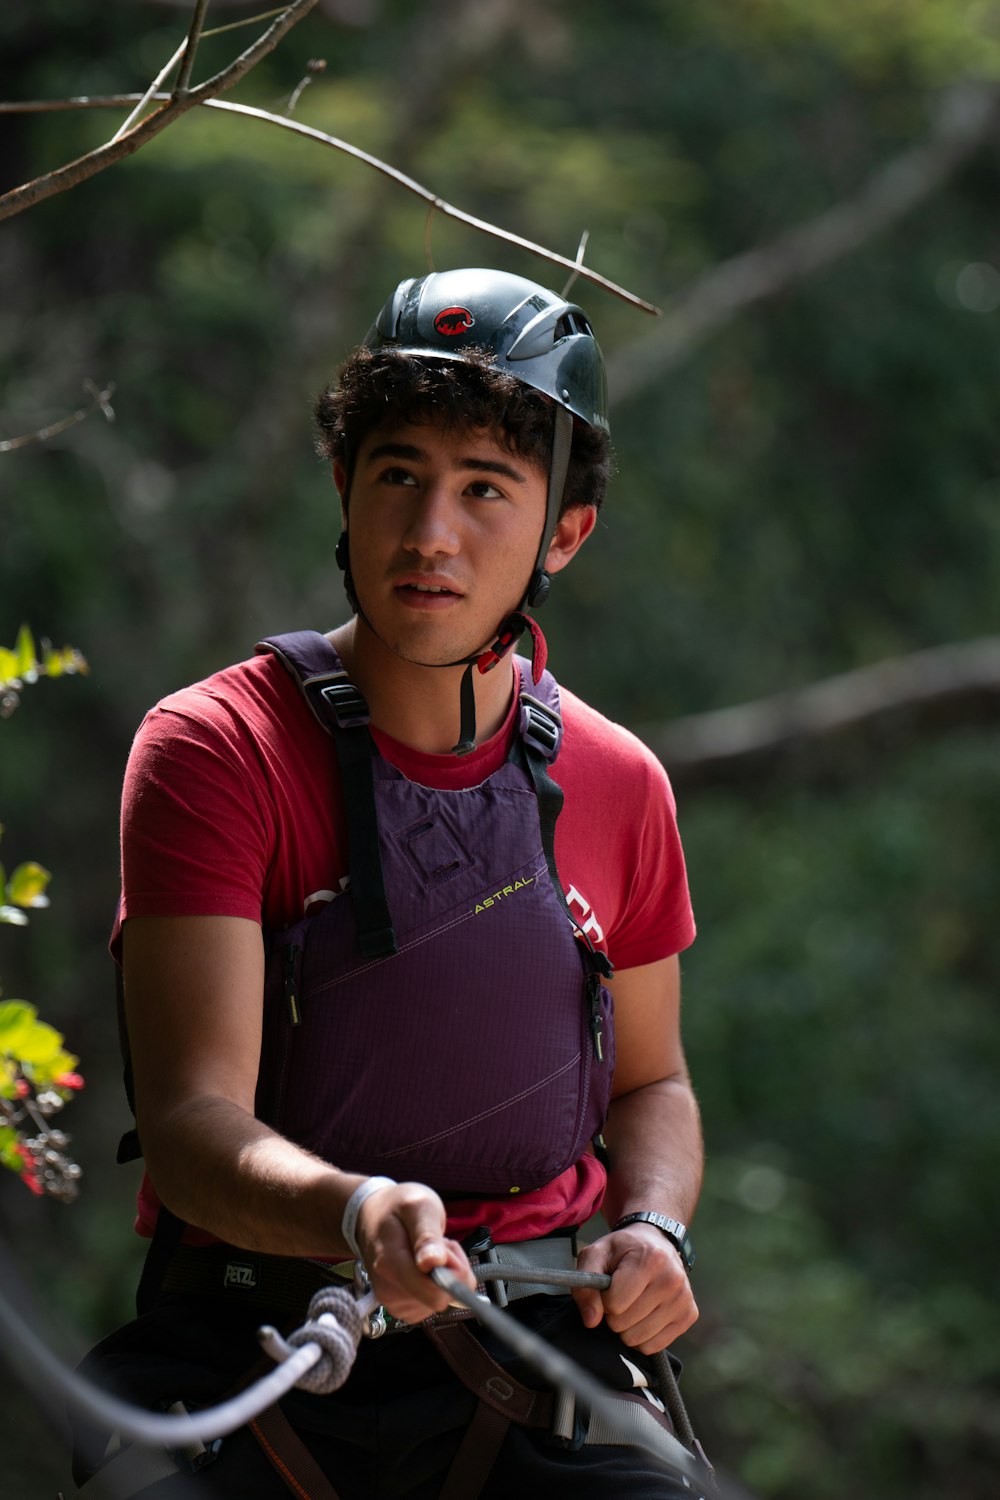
[472,464]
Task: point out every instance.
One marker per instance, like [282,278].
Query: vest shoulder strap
[321,675]
[342,711]
[540,723]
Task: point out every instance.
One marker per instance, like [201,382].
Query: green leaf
[66,660]
[8,1156]
[24,651]
[16,1020]
[27,885]
[8,1078]
[8,668]
[40,1050]
[33,1045]
[14,1016]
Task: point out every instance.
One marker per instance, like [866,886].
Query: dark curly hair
[388,388]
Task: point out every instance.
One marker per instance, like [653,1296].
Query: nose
[432,529]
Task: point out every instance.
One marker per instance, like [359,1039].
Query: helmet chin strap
[512,626]
[515,624]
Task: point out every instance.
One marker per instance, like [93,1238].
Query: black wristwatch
[675,1231]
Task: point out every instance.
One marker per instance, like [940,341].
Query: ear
[572,530]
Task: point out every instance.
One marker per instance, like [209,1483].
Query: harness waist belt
[286,1284]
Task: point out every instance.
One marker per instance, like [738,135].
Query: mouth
[421,590]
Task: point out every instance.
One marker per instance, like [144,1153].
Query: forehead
[453,445]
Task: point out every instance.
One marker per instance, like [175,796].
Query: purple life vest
[441,1021]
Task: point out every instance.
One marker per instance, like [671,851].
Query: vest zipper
[292,951]
[596,1021]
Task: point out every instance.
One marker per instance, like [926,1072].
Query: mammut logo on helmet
[451,321]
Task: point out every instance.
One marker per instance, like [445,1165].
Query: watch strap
[673,1229]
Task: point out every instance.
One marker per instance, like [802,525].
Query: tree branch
[439,205]
[190,48]
[151,93]
[967,116]
[930,688]
[101,401]
[40,188]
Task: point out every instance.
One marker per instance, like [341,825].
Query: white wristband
[349,1223]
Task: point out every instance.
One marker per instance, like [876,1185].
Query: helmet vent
[571,323]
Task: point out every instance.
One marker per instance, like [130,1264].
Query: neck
[419,706]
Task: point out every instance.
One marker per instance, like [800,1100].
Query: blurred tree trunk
[896,699]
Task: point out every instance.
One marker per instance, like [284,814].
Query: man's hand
[649,1302]
[400,1232]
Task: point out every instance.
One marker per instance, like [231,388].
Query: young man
[367,991]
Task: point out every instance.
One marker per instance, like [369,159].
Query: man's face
[444,530]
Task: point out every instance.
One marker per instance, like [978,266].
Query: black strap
[476,1454]
[166,1238]
[341,709]
[355,755]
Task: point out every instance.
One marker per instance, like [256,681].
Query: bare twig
[191,47]
[46,186]
[150,93]
[577,264]
[930,687]
[264,15]
[101,401]
[314,67]
[428,236]
[967,117]
[436,204]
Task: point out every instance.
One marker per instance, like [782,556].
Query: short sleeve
[195,826]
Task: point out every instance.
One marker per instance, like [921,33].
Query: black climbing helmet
[531,333]
[535,335]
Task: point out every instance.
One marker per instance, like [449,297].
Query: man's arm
[194,1005]
[655,1148]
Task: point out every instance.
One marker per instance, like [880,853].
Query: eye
[481,489]
[395,475]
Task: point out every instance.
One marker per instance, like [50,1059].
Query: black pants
[390,1432]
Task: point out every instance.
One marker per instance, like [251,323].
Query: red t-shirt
[232,807]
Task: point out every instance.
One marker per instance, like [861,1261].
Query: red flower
[69,1081]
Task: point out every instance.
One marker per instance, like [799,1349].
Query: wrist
[352,1209]
[671,1229]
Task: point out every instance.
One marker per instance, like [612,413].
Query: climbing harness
[318,1358]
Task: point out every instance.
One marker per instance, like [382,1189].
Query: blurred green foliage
[814,487]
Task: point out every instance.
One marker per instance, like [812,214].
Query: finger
[653,1330]
[595,1258]
[405,1236]
[591,1305]
[436,1252]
